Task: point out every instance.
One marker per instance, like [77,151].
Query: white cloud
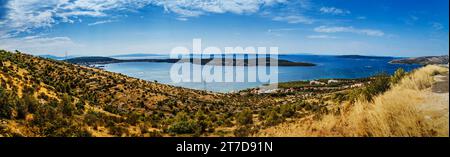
[280,31]
[411,19]
[101,22]
[294,19]
[191,8]
[361,17]
[369,32]
[24,16]
[182,19]
[321,37]
[334,11]
[437,26]
[415,18]
[38,44]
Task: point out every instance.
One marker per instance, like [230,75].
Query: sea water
[328,67]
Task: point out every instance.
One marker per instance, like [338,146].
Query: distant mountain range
[362,57]
[56,57]
[422,60]
[143,55]
[137,55]
[114,59]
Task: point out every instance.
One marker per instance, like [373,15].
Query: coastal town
[325,85]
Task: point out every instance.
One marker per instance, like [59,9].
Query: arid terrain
[44,97]
[416,106]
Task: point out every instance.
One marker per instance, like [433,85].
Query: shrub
[43,96]
[245,117]
[134,118]
[183,127]
[287,110]
[7,110]
[6,106]
[68,108]
[80,107]
[242,131]
[182,124]
[203,122]
[118,130]
[398,75]
[155,134]
[339,97]
[92,118]
[273,118]
[22,109]
[379,84]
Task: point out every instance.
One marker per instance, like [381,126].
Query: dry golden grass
[408,109]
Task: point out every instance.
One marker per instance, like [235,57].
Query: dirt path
[439,97]
[441,85]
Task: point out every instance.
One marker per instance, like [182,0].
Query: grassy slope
[407,109]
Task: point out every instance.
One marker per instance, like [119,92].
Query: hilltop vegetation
[44,97]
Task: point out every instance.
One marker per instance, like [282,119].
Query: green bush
[183,127]
[378,85]
[243,131]
[92,119]
[203,122]
[287,110]
[398,75]
[339,97]
[43,96]
[7,110]
[245,117]
[182,124]
[118,130]
[68,107]
[6,106]
[80,106]
[134,118]
[22,109]
[273,118]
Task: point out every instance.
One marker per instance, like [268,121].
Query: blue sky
[110,27]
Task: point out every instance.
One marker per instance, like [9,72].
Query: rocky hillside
[44,97]
[423,60]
